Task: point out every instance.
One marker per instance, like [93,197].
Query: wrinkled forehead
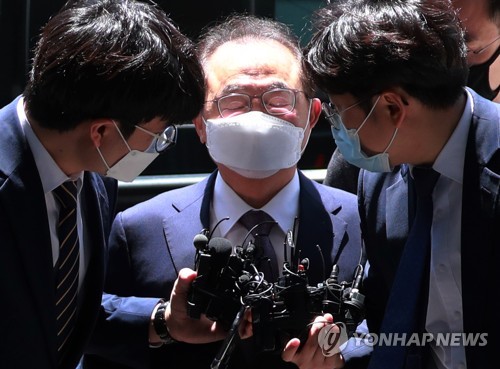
[250,66]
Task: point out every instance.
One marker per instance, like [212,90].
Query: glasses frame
[332,114]
[261,97]
[480,50]
[168,137]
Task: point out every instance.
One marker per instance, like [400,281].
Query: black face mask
[479,78]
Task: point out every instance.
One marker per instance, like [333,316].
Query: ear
[315,112]
[200,128]
[99,129]
[396,103]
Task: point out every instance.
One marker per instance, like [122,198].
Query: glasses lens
[166,139]
[233,104]
[279,101]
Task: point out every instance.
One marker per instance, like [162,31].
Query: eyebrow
[237,88]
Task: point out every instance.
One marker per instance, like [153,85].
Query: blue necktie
[268,260]
[67,266]
[403,307]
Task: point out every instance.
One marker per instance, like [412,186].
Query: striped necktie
[67,266]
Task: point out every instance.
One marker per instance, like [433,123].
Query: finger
[319,323]
[290,349]
[245,329]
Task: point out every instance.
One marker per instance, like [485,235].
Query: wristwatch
[160,325]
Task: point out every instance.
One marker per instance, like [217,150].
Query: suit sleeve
[122,331]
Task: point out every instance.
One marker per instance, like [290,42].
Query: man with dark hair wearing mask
[481,20]
[258,115]
[109,79]
[429,187]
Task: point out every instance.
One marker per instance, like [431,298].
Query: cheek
[140,143]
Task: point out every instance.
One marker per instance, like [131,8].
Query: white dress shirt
[283,208]
[52,177]
[444,310]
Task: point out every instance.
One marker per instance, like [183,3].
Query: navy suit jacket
[383,202]
[27,284]
[152,241]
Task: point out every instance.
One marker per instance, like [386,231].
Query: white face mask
[255,144]
[131,165]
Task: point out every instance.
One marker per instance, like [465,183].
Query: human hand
[180,325]
[310,355]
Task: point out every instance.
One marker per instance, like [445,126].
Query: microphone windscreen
[220,246]
[220,249]
[200,241]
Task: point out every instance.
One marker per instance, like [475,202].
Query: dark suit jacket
[152,241]
[383,202]
[27,314]
[341,174]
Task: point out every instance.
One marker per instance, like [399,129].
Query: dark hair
[117,59]
[365,46]
[241,27]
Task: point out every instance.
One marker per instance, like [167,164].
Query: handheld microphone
[212,255]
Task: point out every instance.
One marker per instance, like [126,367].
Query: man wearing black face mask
[481,20]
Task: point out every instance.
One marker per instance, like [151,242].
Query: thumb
[182,286]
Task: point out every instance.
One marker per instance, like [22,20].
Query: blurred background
[21,20]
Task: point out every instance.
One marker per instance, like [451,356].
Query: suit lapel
[479,254]
[24,201]
[318,226]
[193,214]
[396,209]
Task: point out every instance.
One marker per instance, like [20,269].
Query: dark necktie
[67,265]
[269,262]
[404,305]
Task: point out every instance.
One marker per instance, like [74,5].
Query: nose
[257,105]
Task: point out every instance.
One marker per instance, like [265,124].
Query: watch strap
[160,325]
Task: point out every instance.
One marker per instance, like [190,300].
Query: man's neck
[62,146]
[433,129]
[257,192]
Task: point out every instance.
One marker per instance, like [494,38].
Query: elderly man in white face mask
[256,122]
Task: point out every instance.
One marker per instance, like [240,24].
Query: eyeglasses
[332,114]
[479,51]
[163,141]
[278,101]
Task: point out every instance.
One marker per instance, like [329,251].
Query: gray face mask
[131,165]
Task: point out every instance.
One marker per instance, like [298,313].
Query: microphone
[220,249]
[211,257]
[200,241]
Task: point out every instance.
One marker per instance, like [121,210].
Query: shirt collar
[50,174]
[450,161]
[226,203]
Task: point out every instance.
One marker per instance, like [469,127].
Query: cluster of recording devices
[228,283]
